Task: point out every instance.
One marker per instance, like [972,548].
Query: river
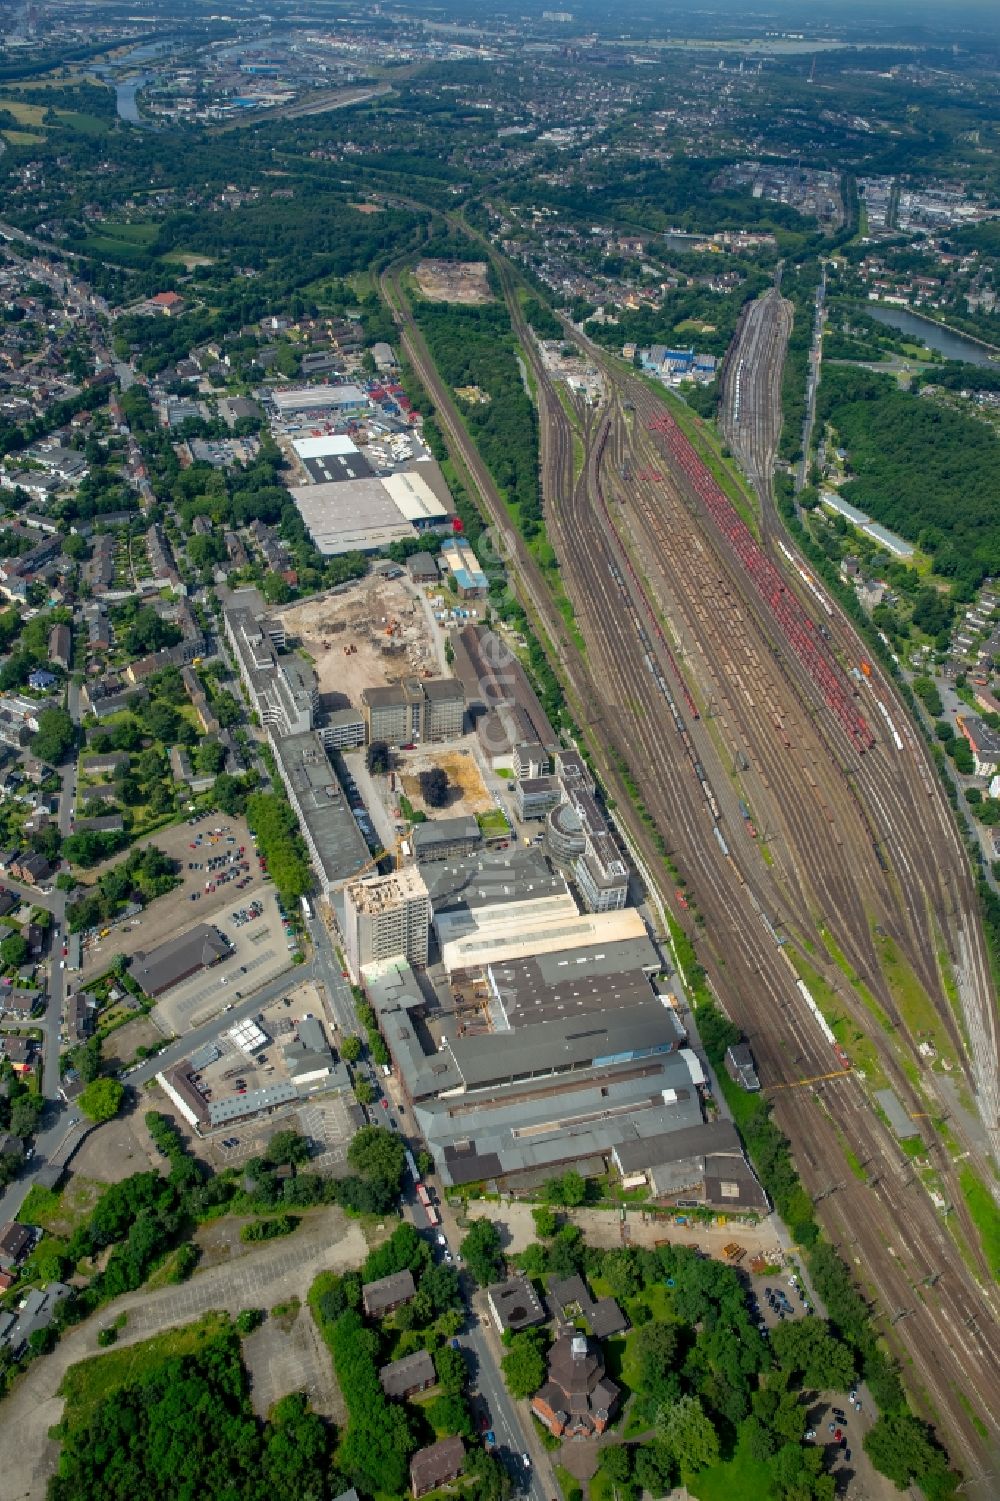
[954,346]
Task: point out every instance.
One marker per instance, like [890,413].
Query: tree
[569,1190]
[452,1372]
[546,1221]
[807,1349]
[656,1347]
[622,1273]
[102,1099]
[86,1059]
[901,1447]
[287,1146]
[24,1114]
[442,1287]
[450,1415]
[55,737]
[378,1154]
[759,1440]
[481,1252]
[364,1091]
[377,758]
[14,951]
[654,1468]
[616,1462]
[524,1364]
[350,1048]
[689,1434]
[435,788]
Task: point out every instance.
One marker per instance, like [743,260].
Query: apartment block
[386,917]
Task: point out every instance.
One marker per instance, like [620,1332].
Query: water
[953,346]
[125,95]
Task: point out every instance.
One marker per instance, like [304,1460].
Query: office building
[424,709]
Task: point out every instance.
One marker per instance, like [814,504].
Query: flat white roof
[327,445]
[548,937]
[306,398]
[414,497]
[350,515]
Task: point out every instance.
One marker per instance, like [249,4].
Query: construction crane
[382,854]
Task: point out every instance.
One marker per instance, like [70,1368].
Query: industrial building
[346,514]
[330,458]
[386,916]
[316,400]
[445,838]
[425,709]
[460,563]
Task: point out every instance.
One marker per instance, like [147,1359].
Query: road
[509,1420]
[326,971]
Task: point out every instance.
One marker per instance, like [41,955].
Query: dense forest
[928,472]
[474,346]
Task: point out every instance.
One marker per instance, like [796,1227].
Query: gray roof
[531,990]
[407,1375]
[330,826]
[444,831]
[179,957]
[585,1115]
[515,1304]
[490,877]
[236,1106]
[387,1292]
[566,1042]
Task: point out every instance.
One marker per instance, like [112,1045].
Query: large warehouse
[316,399]
[331,457]
[365,515]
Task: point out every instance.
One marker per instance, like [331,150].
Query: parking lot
[778,1297]
[171,914]
[259,953]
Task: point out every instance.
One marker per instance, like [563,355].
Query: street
[514,1435]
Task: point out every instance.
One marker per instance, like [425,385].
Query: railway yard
[801,812]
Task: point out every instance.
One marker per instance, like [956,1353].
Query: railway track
[755,980]
[623,579]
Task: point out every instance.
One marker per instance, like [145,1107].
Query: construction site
[453,281]
[368,635]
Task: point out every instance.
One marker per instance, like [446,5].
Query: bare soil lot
[119,1148]
[119,1048]
[469,794]
[345,634]
[453,281]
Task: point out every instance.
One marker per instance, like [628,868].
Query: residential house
[15,1243]
[414,1373]
[515,1305]
[436,1465]
[387,1294]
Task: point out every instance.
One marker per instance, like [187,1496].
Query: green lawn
[739,1479]
[493,824]
[61,1213]
[920,1016]
[86,1384]
[985,1215]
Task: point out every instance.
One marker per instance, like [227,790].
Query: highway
[666,609]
